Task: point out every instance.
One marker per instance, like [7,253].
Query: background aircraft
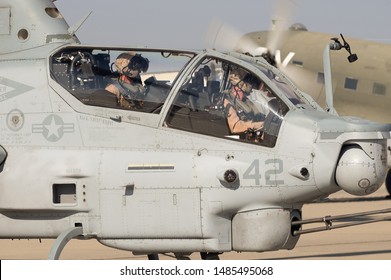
[362,88]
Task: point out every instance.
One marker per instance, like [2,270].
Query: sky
[198,24]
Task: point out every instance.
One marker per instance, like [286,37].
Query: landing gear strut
[62,240]
[181,256]
[153,257]
[209,256]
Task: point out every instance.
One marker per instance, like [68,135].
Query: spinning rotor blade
[267,43]
[224,37]
[282,16]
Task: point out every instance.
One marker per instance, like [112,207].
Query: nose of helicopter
[361,168]
[362,164]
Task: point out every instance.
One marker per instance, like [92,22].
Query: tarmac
[364,242]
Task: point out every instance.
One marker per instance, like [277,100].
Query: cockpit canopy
[218,95]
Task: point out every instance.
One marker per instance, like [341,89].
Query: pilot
[237,103]
[128,86]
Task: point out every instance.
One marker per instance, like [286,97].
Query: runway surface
[364,242]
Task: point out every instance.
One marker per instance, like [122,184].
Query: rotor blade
[224,37]
[246,45]
[220,36]
[282,16]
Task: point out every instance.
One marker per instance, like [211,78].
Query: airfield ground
[364,242]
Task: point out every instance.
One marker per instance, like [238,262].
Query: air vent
[64,193]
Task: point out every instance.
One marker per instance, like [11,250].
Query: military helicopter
[157,165]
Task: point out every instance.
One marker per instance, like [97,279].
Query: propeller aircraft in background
[362,88]
[164,150]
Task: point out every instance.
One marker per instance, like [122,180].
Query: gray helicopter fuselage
[134,183]
[163,170]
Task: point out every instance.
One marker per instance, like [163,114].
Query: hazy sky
[185,24]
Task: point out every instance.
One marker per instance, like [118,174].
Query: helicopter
[162,169]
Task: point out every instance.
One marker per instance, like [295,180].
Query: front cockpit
[224,99]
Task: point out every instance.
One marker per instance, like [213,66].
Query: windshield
[224,99]
[283,86]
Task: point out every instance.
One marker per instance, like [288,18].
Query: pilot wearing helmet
[128,86]
[236,101]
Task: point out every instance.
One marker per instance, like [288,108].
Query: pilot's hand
[257,125]
[255,135]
